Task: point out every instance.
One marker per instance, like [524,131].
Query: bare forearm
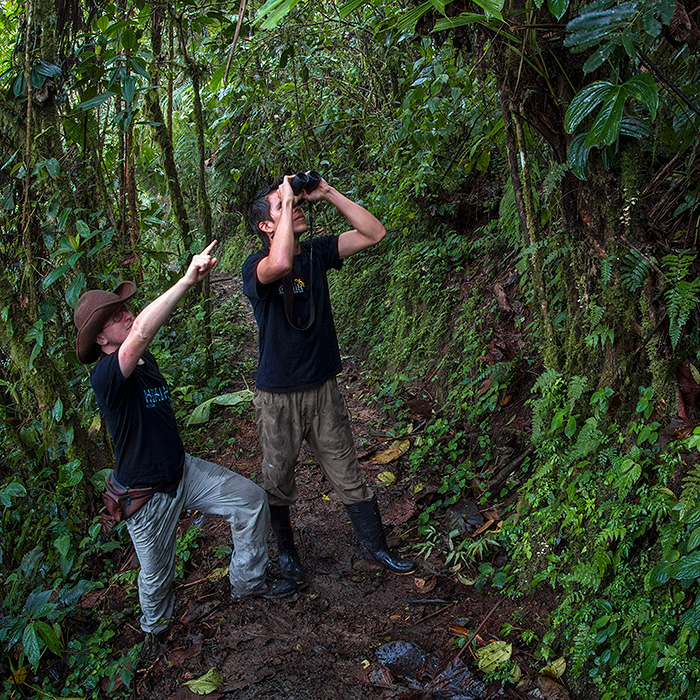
[152,318]
[365,223]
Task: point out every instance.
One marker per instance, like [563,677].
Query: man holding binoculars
[296,395]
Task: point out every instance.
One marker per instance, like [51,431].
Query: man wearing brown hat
[154,479]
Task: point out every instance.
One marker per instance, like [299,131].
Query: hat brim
[86,348]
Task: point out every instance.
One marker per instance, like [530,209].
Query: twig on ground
[478,629]
[437,612]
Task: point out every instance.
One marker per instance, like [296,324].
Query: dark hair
[259,210]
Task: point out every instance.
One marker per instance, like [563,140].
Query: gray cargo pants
[319,416]
[214,490]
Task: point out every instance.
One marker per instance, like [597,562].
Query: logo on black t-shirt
[298,286]
[156,394]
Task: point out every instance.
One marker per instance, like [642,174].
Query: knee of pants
[155,588]
[244,493]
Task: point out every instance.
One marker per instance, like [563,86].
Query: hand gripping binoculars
[305,181]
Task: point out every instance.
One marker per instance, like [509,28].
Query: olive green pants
[319,416]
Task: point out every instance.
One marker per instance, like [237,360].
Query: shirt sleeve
[251,287]
[328,248]
[108,381]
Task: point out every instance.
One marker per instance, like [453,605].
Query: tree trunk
[161,134]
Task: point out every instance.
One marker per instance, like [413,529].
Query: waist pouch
[123,502]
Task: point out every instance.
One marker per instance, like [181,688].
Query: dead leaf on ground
[377,676]
[483,528]
[485,386]
[178,656]
[493,513]
[395,450]
[551,690]
[556,669]
[425,586]
[494,655]
[400,512]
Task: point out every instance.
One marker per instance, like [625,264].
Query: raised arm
[150,320]
[283,244]
[367,229]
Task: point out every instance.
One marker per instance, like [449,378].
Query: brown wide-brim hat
[93,310]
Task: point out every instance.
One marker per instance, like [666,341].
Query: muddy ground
[357,631]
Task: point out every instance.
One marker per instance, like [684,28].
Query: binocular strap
[288,287]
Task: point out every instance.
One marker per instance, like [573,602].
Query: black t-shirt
[148,450]
[291,359]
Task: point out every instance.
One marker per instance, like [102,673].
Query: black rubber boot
[287,554]
[369,530]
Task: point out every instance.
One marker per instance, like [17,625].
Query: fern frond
[557,254]
[602,559]
[589,439]
[552,179]
[596,315]
[610,534]
[689,500]
[546,380]
[546,469]
[678,265]
[586,574]
[577,387]
[681,299]
[582,647]
[635,270]
[606,269]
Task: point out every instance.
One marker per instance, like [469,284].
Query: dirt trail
[323,643]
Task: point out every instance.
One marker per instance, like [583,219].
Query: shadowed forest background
[530,324]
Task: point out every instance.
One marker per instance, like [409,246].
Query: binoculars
[305,181]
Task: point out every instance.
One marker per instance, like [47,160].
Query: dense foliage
[536,165]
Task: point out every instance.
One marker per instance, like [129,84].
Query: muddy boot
[369,530]
[270,588]
[289,560]
[153,645]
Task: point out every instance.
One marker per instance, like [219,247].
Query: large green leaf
[49,636]
[30,644]
[687,567]
[660,574]
[349,7]
[10,491]
[273,12]
[578,156]
[74,290]
[492,8]
[407,21]
[643,88]
[129,89]
[201,413]
[558,7]
[606,127]
[598,22]
[96,101]
[585,102]
[460,21]
[55,274]
[634,127]
[599,56]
